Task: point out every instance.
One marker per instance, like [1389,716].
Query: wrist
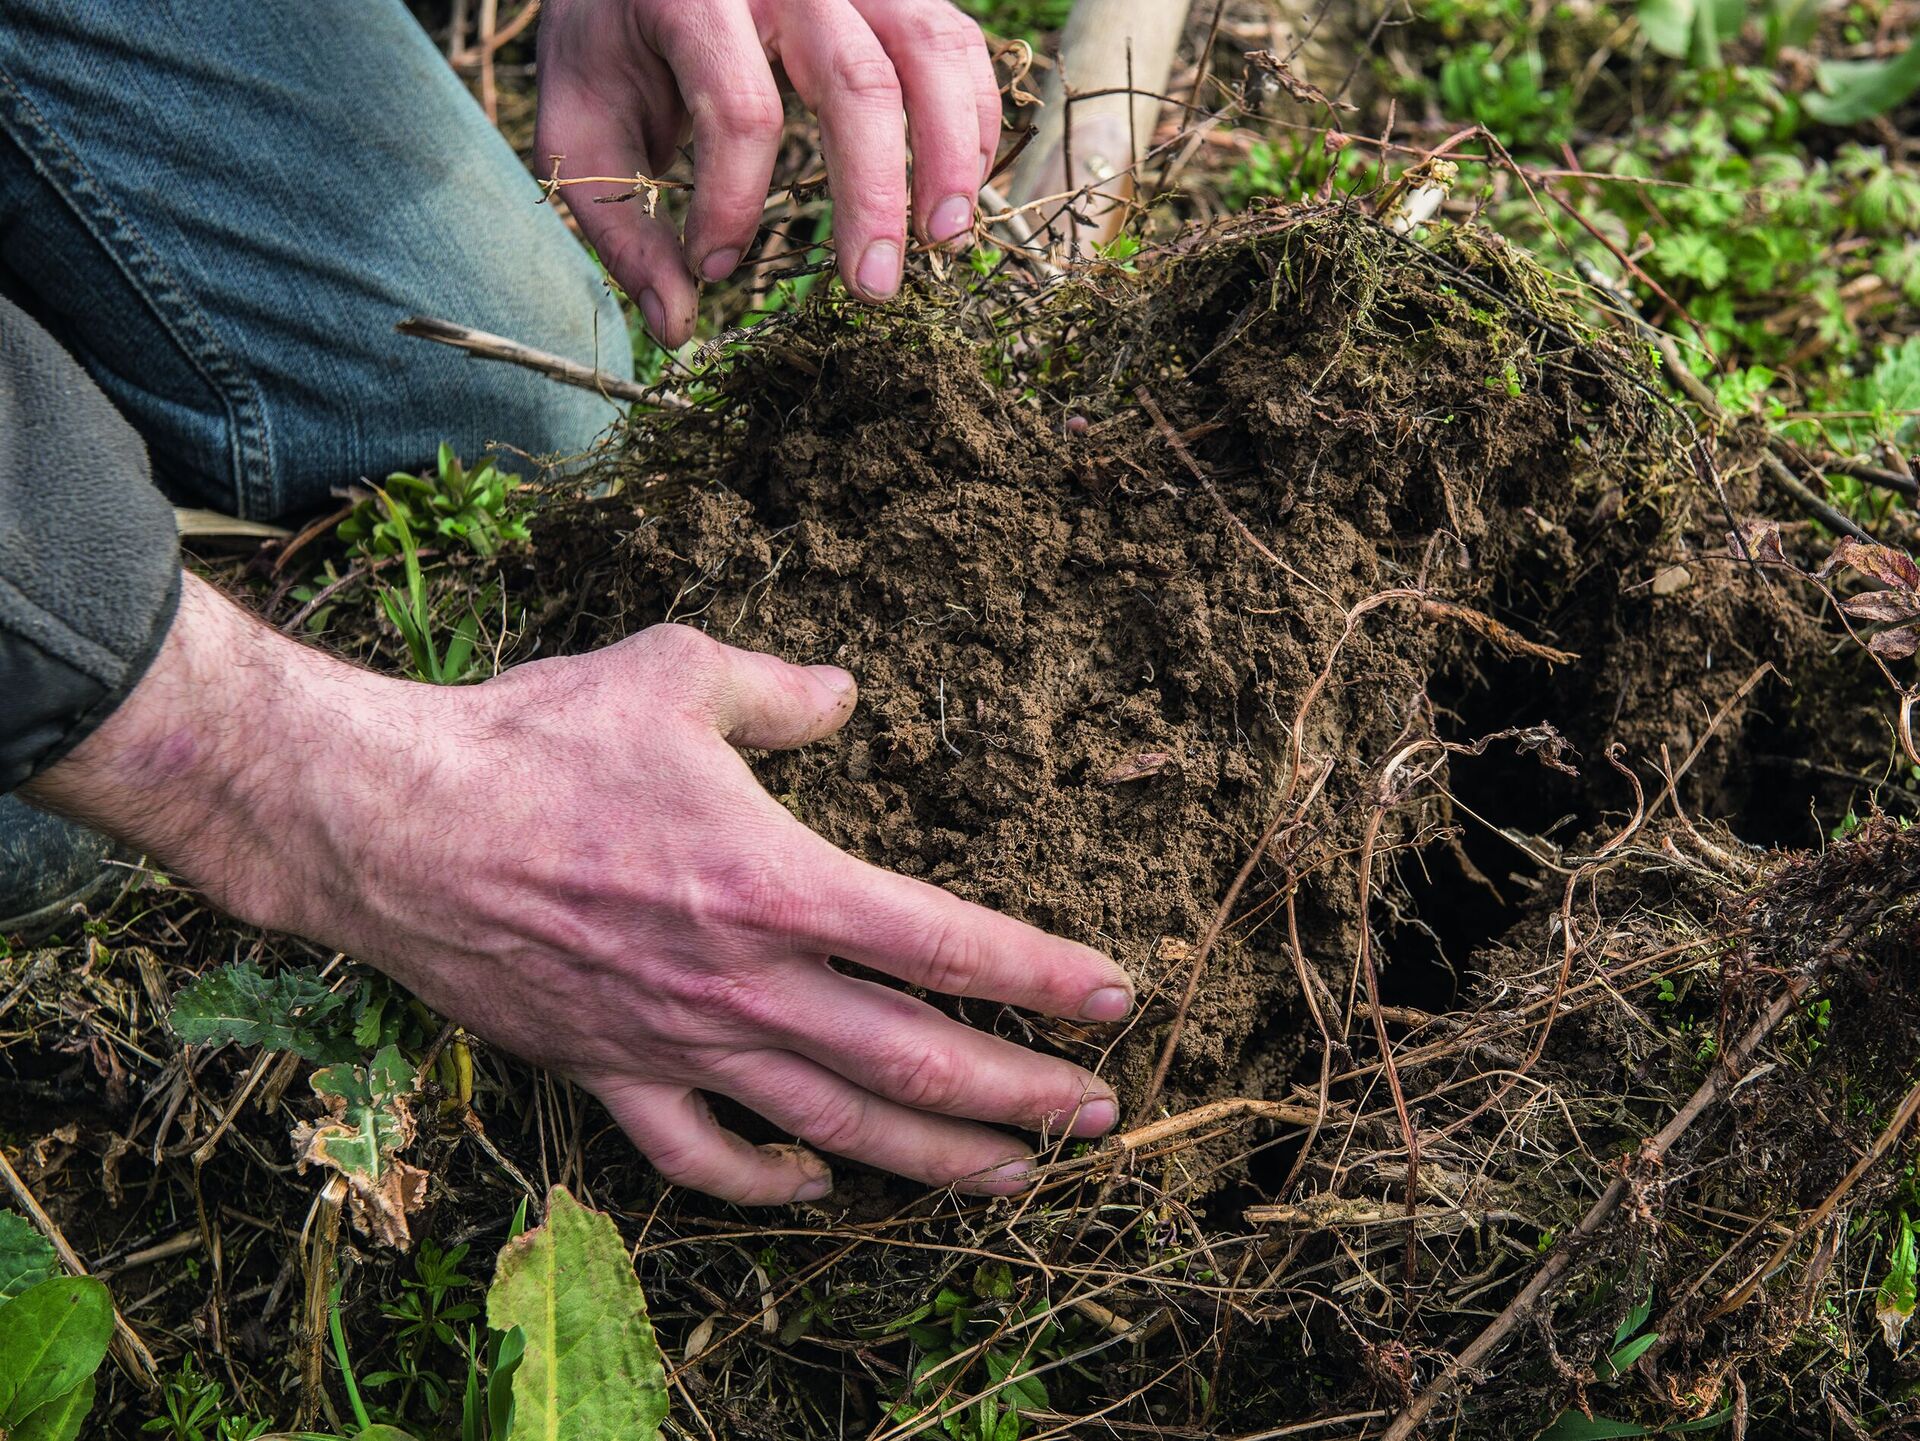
[223,762]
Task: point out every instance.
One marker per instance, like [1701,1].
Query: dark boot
[47,866]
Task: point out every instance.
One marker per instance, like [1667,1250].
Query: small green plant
[985,1326]
[1019,19]
[427,1320]
[411,610]
[193,1410]
[291,1010]
[473,508]
[1630,1343]
[1893,1303]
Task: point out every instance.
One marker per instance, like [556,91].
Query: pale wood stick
[488,346]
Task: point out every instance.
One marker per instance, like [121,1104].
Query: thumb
[769,704]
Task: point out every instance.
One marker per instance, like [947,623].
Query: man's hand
[574,861]
[624,82]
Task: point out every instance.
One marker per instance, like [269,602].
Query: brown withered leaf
[1136,766]
[1892,606]
[1894,644]
[1880,562]
[1299,89]
[1758,540]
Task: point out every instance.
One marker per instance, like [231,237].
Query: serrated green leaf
[53,1336]
[290,1010]
[1855,90]
[59,1419]
[26,1257]
[591,1370]
[368,1124]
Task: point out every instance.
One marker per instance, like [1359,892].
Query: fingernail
[1096,1117]
[879,272]
[655,314]
[952,218]
[1004,1179]
[815,1190]
[834,679]
[720,264]
[1109,1003]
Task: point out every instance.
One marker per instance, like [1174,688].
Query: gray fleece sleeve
[89,562]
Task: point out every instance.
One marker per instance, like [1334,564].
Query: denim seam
[184,322]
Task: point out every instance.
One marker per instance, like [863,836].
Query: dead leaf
[1135,767]
[1758,540]
[1881,562]
[1892,606]
[1894,644]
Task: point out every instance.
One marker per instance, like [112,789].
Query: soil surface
[1084,661]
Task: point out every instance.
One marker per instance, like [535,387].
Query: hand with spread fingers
[574,861]
[624,83]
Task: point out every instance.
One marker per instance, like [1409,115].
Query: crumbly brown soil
[1041,599]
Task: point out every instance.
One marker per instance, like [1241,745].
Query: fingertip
[816,1176]
[838,682]
[1008,1178]
[1096,1116]
[720,264]
[877,276]
[952,218]
[1107,1004]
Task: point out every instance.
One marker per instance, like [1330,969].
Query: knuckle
[942,32]
[955,959]
[867,78]
[926,1078]
[750,892]
[736,1002]
[835,1121]
[745,115]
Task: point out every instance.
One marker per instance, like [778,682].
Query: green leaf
[1572,1426]
[26,1257]
[1855,90]
[510,1349]
[1668,26]
[1636,1318]
[52,1337]
[59,1419]
[288,1011]
[1620,1360]
[1893,1303]
[368,1124]
[382,1433]
[592,1369]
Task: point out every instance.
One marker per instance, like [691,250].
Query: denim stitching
[255,491]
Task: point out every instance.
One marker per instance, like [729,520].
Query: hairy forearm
[224,751]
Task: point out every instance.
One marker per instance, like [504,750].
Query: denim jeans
[223,207]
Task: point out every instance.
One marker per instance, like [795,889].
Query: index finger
[728,89]
[839,69]
[932,938]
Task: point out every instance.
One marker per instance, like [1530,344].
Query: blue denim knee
[223,208]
